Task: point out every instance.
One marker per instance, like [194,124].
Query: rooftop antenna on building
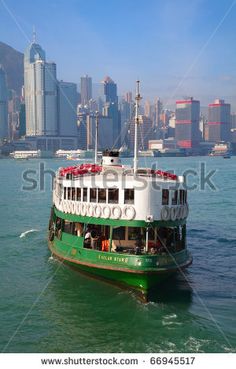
[34,35]
[137,98]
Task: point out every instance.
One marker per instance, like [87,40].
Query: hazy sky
[175,47]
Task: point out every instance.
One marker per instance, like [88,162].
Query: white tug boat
[120,223]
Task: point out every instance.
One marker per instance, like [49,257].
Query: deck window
[118,233]
[64,193]
[165,197]
[102,195]
[129,196]
[68,193]
[73,193]
[78,194]
[85,194]
[93,194]
[175,197]
[113,196]
[68,227]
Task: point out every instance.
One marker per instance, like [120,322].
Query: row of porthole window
[178,197]
[100,195]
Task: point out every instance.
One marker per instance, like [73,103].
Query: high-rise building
[111,110]
[40,93]
[3,105]
[187,132]
[219,121]
[67,108]
[85,89]
[105,132]
[110,90]
[144,132]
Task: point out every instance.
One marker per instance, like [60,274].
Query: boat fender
[106,212]
[83,209]
[77,208]
[129,212]
[89,211]
[116,212]
[165,213]
[97,211]
[173,213]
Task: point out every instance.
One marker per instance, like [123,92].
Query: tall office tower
[3,105]
[187,132]
[110,90]
[144,132]
[158,109]
[128,97]
[218,121]
[126,112]
[67,109]
[85,89]
[40,93]
[147,109]
[111,110]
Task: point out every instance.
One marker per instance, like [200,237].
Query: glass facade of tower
[187,132]
[86,89]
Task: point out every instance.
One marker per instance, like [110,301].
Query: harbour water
[48,307]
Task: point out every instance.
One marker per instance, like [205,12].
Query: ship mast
[96,139]
[137,98]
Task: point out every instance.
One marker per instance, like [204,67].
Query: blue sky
[175,47]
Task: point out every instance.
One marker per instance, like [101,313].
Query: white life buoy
[178,212]
[83,209]
[106,211]
[97,211]
[129,212]
[116,212]
[89,211]
[173,213]
[77,208]
[165,213]
[66,207]
[186,210]
[73,207]
[182,212]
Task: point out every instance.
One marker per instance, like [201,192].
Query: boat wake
[24,234]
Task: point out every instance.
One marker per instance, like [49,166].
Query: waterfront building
[219,121]
[3,105]
[85,89]
[144,132]
[187,114]
[67,108]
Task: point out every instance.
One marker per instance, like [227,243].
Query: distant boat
[221,149]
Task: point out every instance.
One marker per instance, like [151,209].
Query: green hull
[141,272]
[123,270]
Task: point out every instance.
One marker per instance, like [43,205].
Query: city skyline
[177,49]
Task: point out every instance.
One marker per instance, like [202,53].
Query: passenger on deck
[87,238]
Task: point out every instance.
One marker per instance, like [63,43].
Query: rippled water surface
[48,307]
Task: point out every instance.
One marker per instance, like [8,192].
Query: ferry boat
[221,149]
[124,224]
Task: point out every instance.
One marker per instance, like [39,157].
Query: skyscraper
[67,108]
[40,93]
[3,105]
[111,110]
[187,132]
[85,89]
[218,126]
[110,90]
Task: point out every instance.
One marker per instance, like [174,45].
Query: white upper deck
[114,191]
